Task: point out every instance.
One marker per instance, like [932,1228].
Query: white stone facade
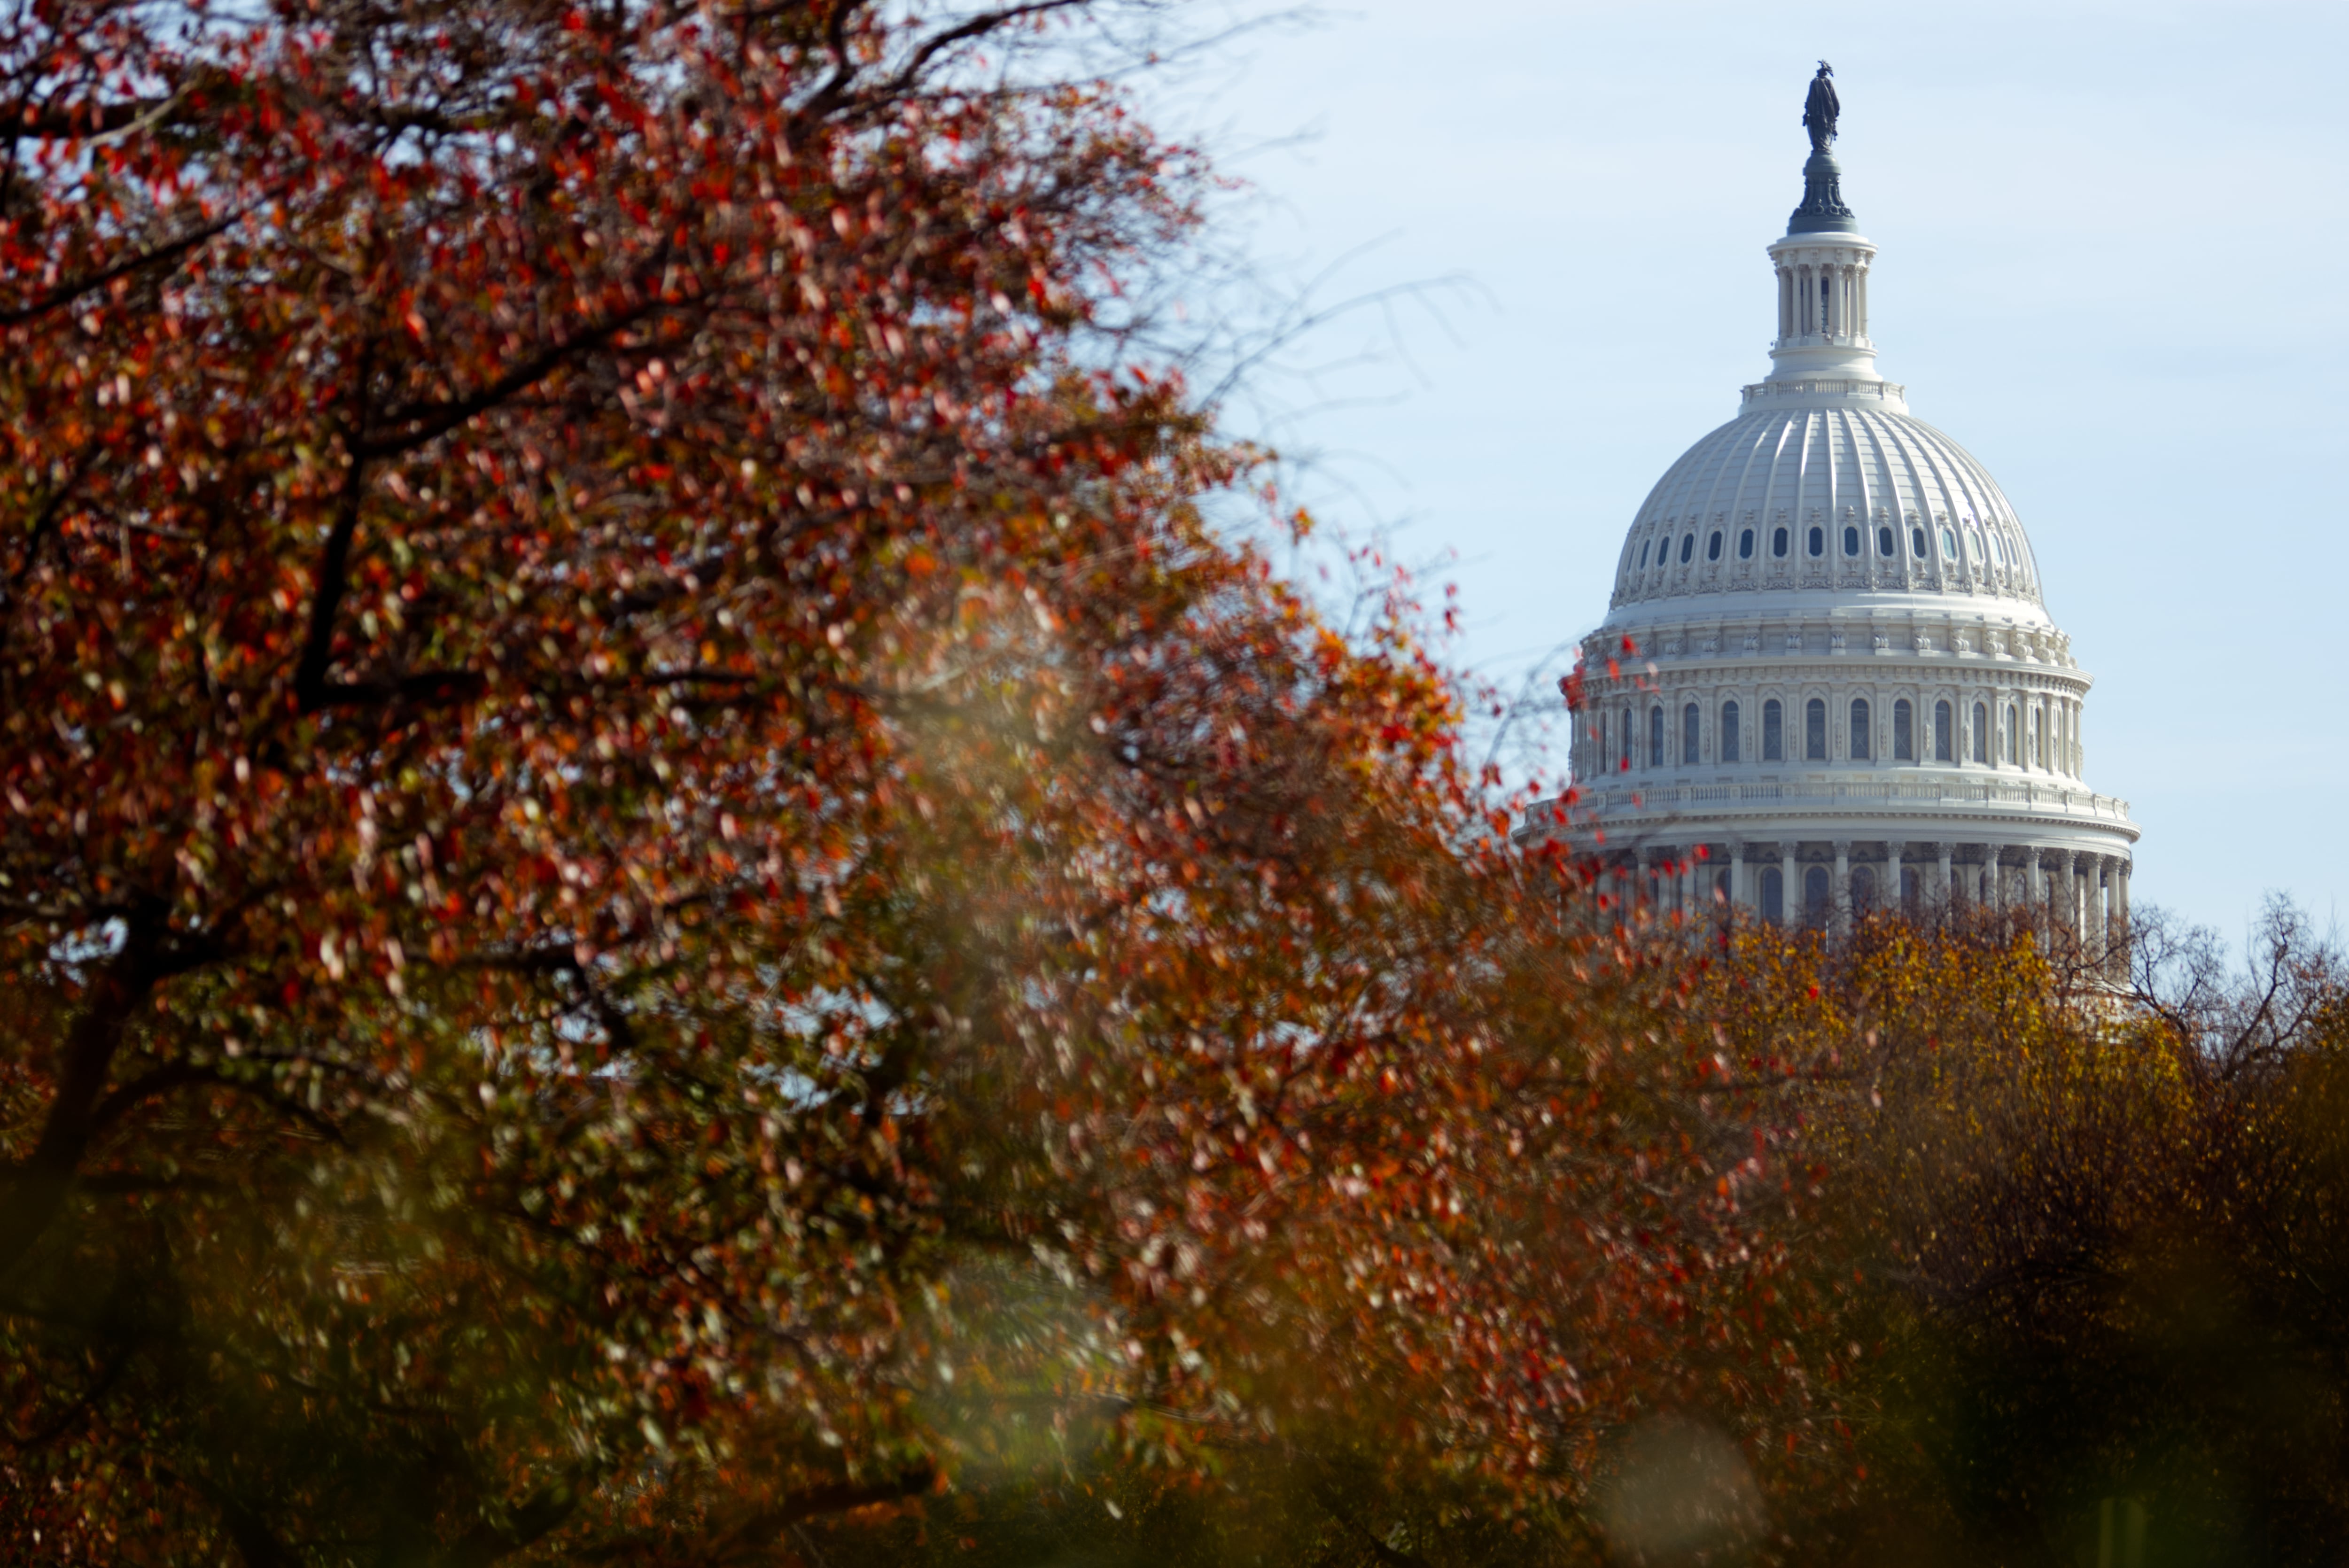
[1827,663]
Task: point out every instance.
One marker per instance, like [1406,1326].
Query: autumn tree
[2075,1238]
[659,880]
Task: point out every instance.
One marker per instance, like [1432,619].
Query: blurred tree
[2095,1246]
[657,882]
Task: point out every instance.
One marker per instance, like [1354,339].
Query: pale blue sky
[2112,250]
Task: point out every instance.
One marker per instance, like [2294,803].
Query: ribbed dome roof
[1834,475]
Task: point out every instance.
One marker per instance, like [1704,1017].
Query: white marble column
[2101,907]
[2120,923]
[2064,893]
[1839,892]
[1739,898]
[1945,853]
[1790,903]
[1892,898]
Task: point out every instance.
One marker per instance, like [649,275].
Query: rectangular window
[1860,728]
[1814,731]
[1904,746]
[1773,732]
[1729,737]
[1942,750]
[1690,720]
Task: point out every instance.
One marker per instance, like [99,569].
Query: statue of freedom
[1819,111]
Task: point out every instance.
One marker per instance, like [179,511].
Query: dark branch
[66,293]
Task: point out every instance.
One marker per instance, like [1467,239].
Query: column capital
[1842,846]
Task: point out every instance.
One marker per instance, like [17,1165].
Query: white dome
[1784,499]
[1827,677]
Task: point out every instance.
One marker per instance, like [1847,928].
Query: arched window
[1981,733]
[2038,737]
[1643,555]
[1627,740]
[1602,748]
[1729,747]
[1997,556]
[1916,542]
[1745,545]
[1851,541]
[1818,541]
[1773,732]
[1814,731]
[1863,889]
[1713,546]
[1778,542]
[1691,722]
[1949,544]
[1688,547]
[1815,896]
[1904,740]
[1884,546]
[1910,890]
[1860,729]
[1942,750]
[1656,737]
[2013,736]
[1774,896]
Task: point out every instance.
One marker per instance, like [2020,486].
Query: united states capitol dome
[1827,679]
[1807,485]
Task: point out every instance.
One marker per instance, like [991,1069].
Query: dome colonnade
[1826,661]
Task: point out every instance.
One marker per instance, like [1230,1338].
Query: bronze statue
[1819,111]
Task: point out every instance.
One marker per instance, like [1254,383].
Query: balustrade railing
[1845,388]
[1665,798]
